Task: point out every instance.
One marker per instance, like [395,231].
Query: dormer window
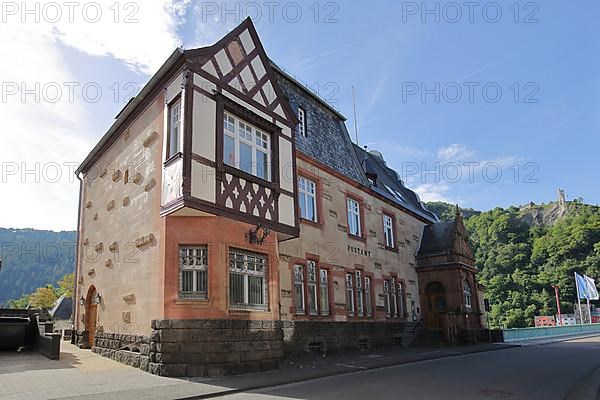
[302,122]
[246,148]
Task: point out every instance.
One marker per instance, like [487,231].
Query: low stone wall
[333,337]
[214,347]
[132,350]
[211,348]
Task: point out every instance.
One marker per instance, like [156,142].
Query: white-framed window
[193,272]
[386,297]
[350,294]
[247,280]
[394,298]
[368,306]
[299,288]
[246,147]
[324,284]
[354,217]
[311,269]
[302,122]
[468,294]
[174,128]
[359,295]
[388,230]
[401,300]
[307,197]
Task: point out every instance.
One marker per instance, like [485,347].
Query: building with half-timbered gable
[226,219]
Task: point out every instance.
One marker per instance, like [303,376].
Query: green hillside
[521,252]
[33,259]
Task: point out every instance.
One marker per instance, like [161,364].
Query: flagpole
[578,299]
[589,310]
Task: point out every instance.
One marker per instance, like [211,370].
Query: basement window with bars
[247,281]
[193,272]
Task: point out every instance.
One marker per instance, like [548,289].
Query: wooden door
[90,322]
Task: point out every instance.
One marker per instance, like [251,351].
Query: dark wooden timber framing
[188,94]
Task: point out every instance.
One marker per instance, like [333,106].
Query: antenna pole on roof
[354,106]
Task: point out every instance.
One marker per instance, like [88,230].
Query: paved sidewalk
[81,374]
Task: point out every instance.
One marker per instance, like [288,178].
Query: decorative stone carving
[150,185]
[129,298]
[126,202]
[342,228]
[137,178]
[88,204]
[85,242]
[150,139]
[110,205]
[91,271]
[327,196]
[144,240]
[114,246]
[103,173]
[116,175]
[99,247]
[108,263]
[333,214]
[80,279]
[372,233]
[126,316]
[96,217]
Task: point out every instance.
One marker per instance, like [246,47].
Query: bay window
[247,280]
[193,272]
[246,148]
[173,128]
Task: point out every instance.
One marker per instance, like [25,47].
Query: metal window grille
[368,306]
[247,280]
[312,287]
[350,294]
[193,272]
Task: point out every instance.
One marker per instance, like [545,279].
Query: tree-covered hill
[33,259]
[522,251]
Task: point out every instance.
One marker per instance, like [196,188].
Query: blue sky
[448,145]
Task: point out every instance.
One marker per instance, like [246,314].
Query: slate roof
[63,308]
[328,142]
[388,184]
[437,238]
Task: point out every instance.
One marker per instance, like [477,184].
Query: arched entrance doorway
[436,304]
[91,314]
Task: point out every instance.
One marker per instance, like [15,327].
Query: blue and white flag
[592,290]
[582,287]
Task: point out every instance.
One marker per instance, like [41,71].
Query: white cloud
[42,139]
[456,152]
[434,192]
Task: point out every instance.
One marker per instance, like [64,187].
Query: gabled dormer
[229,137]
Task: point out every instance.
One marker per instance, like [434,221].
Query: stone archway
[435,295]
[91,314]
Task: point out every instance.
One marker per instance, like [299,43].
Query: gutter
[108,137]
[76,272]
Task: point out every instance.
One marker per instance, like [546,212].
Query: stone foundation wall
[132,350]
[214,347]
[210,348]
[334,337]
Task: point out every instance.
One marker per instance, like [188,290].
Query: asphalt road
[565,370]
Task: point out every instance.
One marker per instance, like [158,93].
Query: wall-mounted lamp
[97,298]
[258,234]
[81,301]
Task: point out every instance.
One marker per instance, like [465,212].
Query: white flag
[591,288]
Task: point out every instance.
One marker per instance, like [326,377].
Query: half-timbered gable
[236,147]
